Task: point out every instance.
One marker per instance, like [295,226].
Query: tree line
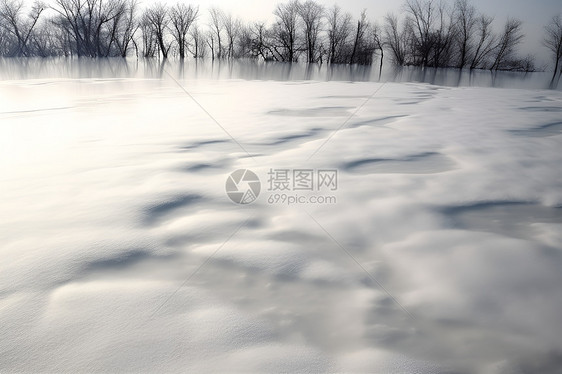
[427,33]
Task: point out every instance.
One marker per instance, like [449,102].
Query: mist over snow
[121,251]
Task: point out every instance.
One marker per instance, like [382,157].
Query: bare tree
[233,28]
[149,41]
[360,51]
[486,41]
[378,42]
[311,14]
[396,39]
[49,41]
[430,33]
[339,31]
[91,25]
[53,40]
[198,40]
[442,36]
[182,17]
[421,17]
[527,63]
[216,30]
[127,27]
[210,40]
[285,30]
[157,17]
[465,21]
[245,42]
[19,26]
[261,41]
[120,29]
[553,41]
[508,42]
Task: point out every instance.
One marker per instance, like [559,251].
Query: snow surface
[121,252]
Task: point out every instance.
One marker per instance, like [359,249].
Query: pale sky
[535,14]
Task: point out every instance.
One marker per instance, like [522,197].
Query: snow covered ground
[121,251]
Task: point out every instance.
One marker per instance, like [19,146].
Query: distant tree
[149,41]
[378,42]
[216,32]
[436,33]
[285,30]
[465,20]
[486,41]
[91,25]
[395,39]
[339,31]
[210,40]
[4,41]
[261,41]
[527,63]
[553,41]
[233,29]
[244,42]
[421,18]
[508,41]
[361,52]
[126,27]
[158,19]
[182,17]
[48,41]
[18,28]
[311,14]
[198,41]
[442,36]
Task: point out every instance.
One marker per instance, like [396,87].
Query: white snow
[121,252]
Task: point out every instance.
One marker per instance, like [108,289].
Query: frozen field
[120,250]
